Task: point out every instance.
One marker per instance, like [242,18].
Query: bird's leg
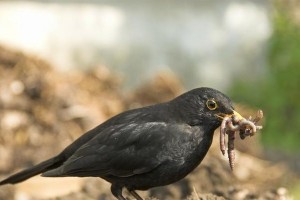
[120,197]
[133,193]
[116,190]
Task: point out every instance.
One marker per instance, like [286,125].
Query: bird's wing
[121,150]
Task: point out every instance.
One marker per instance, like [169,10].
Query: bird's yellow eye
[211,104]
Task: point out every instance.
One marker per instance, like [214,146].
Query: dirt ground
[43,110]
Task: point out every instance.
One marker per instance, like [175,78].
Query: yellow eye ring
[211,104]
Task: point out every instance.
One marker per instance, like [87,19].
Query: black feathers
[142,148]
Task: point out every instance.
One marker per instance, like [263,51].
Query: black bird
[142,148]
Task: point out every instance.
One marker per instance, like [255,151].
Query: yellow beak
[236,114]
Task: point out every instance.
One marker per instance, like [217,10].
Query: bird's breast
[189,150]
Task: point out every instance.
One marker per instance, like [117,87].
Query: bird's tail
[32,171]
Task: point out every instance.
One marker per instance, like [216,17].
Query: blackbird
[142,148]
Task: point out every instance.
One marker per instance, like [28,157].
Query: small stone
[17,87]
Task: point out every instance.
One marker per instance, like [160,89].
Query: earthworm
[222,134]
[259,116]
[230,151]
[232,124]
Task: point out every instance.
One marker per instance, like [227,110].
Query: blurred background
[66,66]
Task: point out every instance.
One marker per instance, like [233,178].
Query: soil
[42,110]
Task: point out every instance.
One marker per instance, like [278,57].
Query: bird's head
[205,106]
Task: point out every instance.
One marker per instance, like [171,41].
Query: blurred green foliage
[278,94]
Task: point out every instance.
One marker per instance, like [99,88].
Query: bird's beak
[221,116]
